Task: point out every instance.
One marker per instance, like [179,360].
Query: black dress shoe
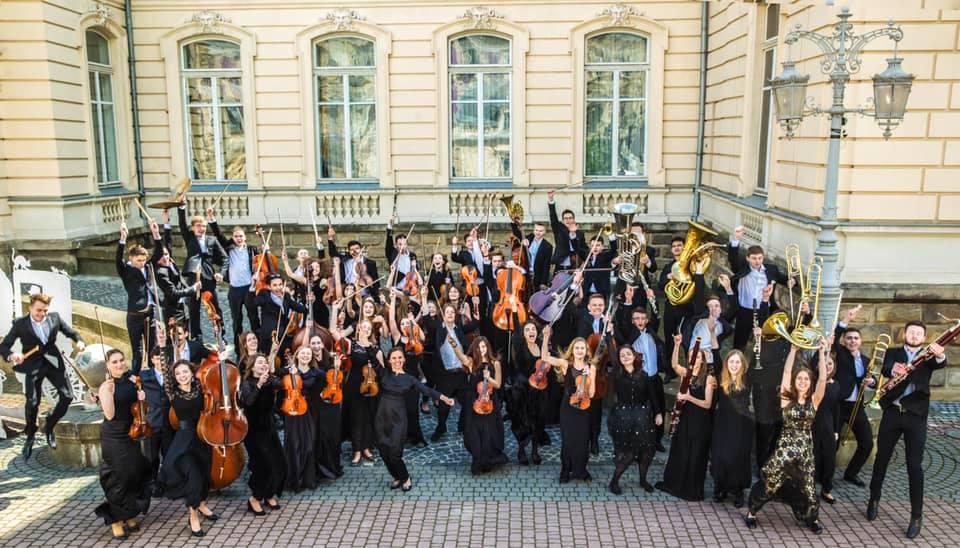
[661,448]
[271,506]
[854,480]
[197,533]
[873,507]
[250,509]
[816,528]
[522,456]
[751,521]
[437,435]
[738,500]
[914,528]
[51,440]
[646,486]
[827,497]
[211,516]
[614,488]
[27,447]
[564,477]
[535,455]
[718,496]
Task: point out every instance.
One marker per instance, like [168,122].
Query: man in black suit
[571,247]
[141,295]
[398,252]
[40,359]
[205,259]
[275,304]
[674,316]
[905,410]
[173,292]
[158,407]
[539,253]
[352,265]
[750,277]
[238,271]
[850,376]
[637,328]
[182,347]
[596,275]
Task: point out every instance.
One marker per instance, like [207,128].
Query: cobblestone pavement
[42,503]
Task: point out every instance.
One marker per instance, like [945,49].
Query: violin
[265,263]
[469,275]
[483,405]
[342,348]
[538,379]
[413,344]
[411,283]
[510,281]
[139,429]
[294,404]
[333,391]
[368,384]
[581,397]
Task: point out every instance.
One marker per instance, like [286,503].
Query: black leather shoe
[437,435]
[250,509]
[661,448]
[914,528]
[614,488]
[873,507]
[738,500]
[750,521]
[535,455]
[211,516]
[27,448]
[718,496]
[854,480]
[51,440]
[522,456]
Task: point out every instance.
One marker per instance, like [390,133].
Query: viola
[265,263]
[139,429]
[581,396]
[333,391]
[342,347]
[483,405]
[411,283]
[469,275]
[538,379]
[510,281]
[294,404]
[548,303]
[368,384]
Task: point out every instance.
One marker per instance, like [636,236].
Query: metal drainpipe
[702,106]
[134,104]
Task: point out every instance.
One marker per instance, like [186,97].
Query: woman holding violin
[390,422]
[578,387]
[527,395]
[483,422]
[407,335]
[248,350]
[185,471]
[124,471]
[268,468]
[359,393]
[299,429]
[325,400]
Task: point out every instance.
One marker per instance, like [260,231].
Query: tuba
[696,249]
[629,246]
[177,198]
[514,209]
[806,336]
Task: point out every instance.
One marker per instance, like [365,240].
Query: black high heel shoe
[407,486]
[271,506]
[253,511]
[196,532]
[211,516]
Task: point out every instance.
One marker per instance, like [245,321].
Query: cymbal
[167,204]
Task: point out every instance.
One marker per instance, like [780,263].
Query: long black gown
[825,429]
[686,468]
[631,421]
[483,434]
[390,423]
[299,437]
[574,432]
[526,405]
[185,471]
[359,409]
[124,471]
[327,418]
[268,469]
[732,442]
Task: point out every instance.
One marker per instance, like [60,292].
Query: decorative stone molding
[209,21]
[473,204]
[112,211]
[101,13]
[753,228]
[230,206]
[599,203]
[619,14]
[348,206]
[480,17]
[343,19]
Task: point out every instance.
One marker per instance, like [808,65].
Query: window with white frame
[617,68]
[102,113]
[213,101]
[480,85]
[344,70]
[771,32]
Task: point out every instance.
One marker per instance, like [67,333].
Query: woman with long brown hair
[483,431]
[632,419]
[265,455]
[732,438]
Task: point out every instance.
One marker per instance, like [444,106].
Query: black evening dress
[185,471]
[483,434]
[526,406]
[574,432]
[631,421]
[268,469]
[732,441]
[124,471]
[298,440]
[359,409]
[788,474]
[327,417]
[825,429]
[686,468]
[390,424]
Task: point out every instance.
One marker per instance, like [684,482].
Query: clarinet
[756,323]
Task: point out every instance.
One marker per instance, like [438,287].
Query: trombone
[803,336]
[879,351]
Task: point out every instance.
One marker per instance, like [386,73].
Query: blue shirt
[534,247]
[858,368]
[449,356]
[240,267]
[645,345]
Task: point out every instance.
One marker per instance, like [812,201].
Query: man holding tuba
[751,275]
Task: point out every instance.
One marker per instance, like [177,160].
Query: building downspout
[702,106]
[134,104]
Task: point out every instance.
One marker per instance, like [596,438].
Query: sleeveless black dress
[732,441]
[326,417]
[574,432]
[268,469]
[526,405]
[825,429]
[185,472]
[299,437]
[686,468]
[358,409]
[483,434]
[124,471]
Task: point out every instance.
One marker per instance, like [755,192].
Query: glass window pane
[762,154]
[463,140]
[496,86]
[110,142]
[496,140]
[211,54]
[98,50]
[599,138]
[769,65]
[231,131]
[599,85]
[631,139]
[344,51]
[361,88]
[98,145]
[106,90]
[633,84]
[94,94]
[363,129]
[199,90]
[773,21]
[332,152]
[617,47]
[330,89]
[463,87]
[480,49]
[231,90]
[204,164]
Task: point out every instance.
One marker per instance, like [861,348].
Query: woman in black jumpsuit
[268,468]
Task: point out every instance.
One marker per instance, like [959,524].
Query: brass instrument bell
[177,198]
[514,209]
[696,249]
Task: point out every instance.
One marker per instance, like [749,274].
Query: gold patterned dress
[788,475]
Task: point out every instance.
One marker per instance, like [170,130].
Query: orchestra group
[532,332]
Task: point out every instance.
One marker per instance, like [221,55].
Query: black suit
[371,267]
[173,292]
[741,269]
[566,248]
[45,363]
[539,272]
[195,349]
[158,407]
[239,296]
[673,315]
[451,382]
[390,251]
[598,281]
[207,262]
[273,317]
[908,418]
[848,381]
[140,301]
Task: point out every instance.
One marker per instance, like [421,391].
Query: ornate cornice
[209,21]
[620,14]
[100,12]
[343,18]
[480,17]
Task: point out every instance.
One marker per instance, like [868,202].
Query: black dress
[390,423]
[526,405]
[326,417]
[574,432]
[825,429]
[630,423]
[483,434]
[268,469]
[124,471]
[686,468]
[732,442]
[359,409]
[299,436]
[185,472]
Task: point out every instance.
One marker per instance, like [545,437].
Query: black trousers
[743,330]
[596,419]
[769,420]
[913,428]
[864,435]
[194,307]
[136,325]
[239,298]
[33,384]
[393,459]
[157,445]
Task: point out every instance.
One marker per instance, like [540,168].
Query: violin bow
[283,240]
[220,195]
[96,314]
[313,221]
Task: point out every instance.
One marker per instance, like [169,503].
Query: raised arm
[289,271]
[821,374]
[787,374]
[675,359]
[392,315]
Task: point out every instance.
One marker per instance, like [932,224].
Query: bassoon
[685,385]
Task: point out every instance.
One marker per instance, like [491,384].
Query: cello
[510,281]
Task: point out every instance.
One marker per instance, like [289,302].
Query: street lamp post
[841,58]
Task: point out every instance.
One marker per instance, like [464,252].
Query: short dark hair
[754,250]
[678,238]
[917,323]
[399,237]
[352,243]
[570,211]
[597,238]
[42,297]
[271,277]
[540,223]
[852,330]
[597,296]
[639,310]
[497,252]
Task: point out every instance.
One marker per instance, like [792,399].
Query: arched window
[344,70]
[480,81]
[102,114]
[213,101]
[617,66]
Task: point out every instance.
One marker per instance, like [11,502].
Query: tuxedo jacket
[598,278]
[272,316]
[390,249]
[626,333]
[227,244]
[918,402]
[564,248]
[135,283]
[22,330]
[173,290]
[540,266]
[371,268]
[846,370]
[741,269]
[210,262]
[158,405]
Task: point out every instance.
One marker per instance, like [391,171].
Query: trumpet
[879,351]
